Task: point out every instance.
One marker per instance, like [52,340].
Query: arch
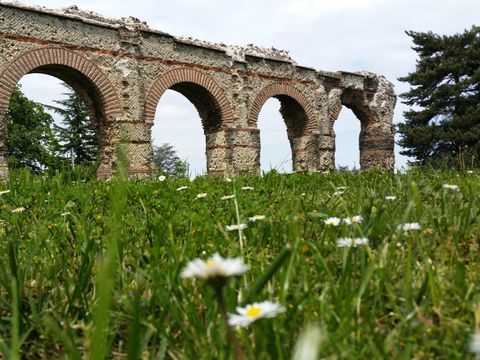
[375,114]
[277,90]
[202,82]
[84,77]
[299,117]
[47,59]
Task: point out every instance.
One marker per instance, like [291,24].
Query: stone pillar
[3,145]
[327,152]
[327,145]
[377,133]
[106,135]
[134,145]
[376,147]
[233,151]
[306,152]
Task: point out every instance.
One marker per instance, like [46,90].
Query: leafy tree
[443,126]
[31,143]
[168,162]
[76,136]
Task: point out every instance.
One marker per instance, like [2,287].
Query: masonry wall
[122,68]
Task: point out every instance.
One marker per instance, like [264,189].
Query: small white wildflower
[256,218]
[390,197]
[349,242]
[302,194]
[18,210]
[252,312]
[201,195]
[162,178]
[450,187]
[341,188]
[337,193]
[332,221]
[65,214]
[234,227]
[247,188]
[226,197]
[182,188]
[469,171]
[409,226]
[4,192]
[214,267]
[357,219]
[227,179]
[475,343]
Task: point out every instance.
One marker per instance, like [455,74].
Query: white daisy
[201,195]
[357,219]
[226,197]
[214,267]
[18,210]
[162,178]
[182,188]
[337,193]
[450,187]
[475,343]
[247,188]
[236,227]
[390,197]
[332,221]
[349,242]
[256,218]
[248,314]
[409,226]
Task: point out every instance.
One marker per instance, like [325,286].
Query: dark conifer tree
[75,135]
[168,162]
[443,125]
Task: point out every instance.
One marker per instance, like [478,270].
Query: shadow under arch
[299,117]
[84,77]
[204,93]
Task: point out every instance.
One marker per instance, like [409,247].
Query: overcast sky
[333,35]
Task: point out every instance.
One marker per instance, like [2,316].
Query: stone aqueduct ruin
[121,68]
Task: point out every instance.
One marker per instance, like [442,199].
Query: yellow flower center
[253,311]
[210,264]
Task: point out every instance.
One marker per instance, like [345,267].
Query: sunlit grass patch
[396,275]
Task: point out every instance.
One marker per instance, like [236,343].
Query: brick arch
[51,56]
[187,75]
[278,89]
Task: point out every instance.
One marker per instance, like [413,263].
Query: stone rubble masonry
[122,67]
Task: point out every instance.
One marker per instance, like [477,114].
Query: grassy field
[92,269]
